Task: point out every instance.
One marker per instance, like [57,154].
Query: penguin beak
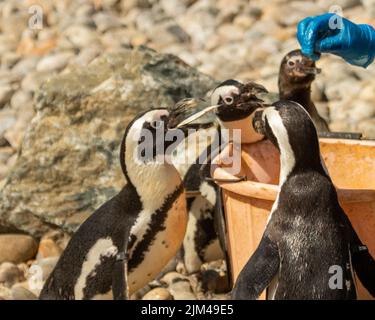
[187,108]
[255,88]
[311,70]
[197,115]
[306,69]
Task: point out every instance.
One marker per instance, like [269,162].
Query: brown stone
[48,248]
[17,248]
[158,294]
[9,274]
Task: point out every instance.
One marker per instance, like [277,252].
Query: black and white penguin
[297,72]
[234,104]
[201,243]
[308,234]
[127,242]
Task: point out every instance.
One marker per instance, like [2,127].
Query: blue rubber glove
[333,34]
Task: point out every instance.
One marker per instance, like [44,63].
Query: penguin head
[297,68]
[225,92]
[290,128]
[236,100]
[147,140]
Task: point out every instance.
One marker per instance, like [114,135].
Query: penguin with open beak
[201,243]
[232,104]
[128,241]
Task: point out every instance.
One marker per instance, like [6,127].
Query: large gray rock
[69,160]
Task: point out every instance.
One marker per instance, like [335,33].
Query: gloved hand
[333,34]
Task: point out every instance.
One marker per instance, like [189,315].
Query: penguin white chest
[248,134]
[162,248]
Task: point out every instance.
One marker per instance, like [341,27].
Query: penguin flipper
[362,261]
[258,271]
[364,266]
[120,288]
[220,226]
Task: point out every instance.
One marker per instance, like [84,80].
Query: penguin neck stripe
[287,156]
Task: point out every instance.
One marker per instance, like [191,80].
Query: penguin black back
[308,234]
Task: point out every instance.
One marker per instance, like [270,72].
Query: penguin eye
[156,124]
[293,61]
[228,100]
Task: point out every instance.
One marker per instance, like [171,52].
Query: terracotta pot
[351,165]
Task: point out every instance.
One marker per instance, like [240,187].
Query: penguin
[125,243]
[201,243]
[234,104]
[309,249]
[297,72]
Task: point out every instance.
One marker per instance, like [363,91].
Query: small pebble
[47,249]
[17,248]
[9,274]
[6,93]
[181,290]
[21,293]
[54,62]
[158,294]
